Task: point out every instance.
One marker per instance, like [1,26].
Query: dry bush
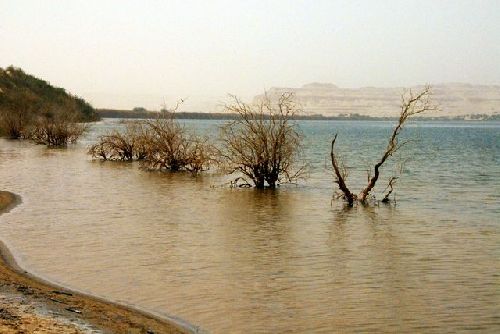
[12,123]
[23,115]
[411,105]
[161,144]
[56,132]
[171,147]
[16,114]
[264,143]
[126,146]
[56,126]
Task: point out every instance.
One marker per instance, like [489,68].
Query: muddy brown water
[288,260]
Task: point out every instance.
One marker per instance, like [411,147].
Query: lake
[286,260]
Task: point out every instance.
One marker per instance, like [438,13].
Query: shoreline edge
[105,315]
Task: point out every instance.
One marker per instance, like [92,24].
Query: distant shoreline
[74,310]
[115,113]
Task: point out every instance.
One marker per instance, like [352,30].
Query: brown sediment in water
[30,304]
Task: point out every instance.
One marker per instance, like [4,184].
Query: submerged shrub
[56,132]
[264,143]
[16,113]
[126,146]
[56,126]
[171,147]
[12,124]
[161,144]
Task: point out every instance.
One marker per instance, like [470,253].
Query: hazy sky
[137,53]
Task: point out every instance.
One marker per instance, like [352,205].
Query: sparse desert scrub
[264,143]
[411,104]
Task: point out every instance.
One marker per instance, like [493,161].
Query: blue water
[451,166]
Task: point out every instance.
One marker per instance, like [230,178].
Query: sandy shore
[29,304]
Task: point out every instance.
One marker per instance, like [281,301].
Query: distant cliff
[454,99]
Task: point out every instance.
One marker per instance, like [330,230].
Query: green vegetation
[31,108]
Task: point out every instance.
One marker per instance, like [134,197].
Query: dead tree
[341,175]
[411,104]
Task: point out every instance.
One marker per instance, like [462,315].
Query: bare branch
[340,174]
[411,105]
[389,189]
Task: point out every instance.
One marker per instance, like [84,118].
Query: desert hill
[454,99]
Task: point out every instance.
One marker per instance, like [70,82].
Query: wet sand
[29,304]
